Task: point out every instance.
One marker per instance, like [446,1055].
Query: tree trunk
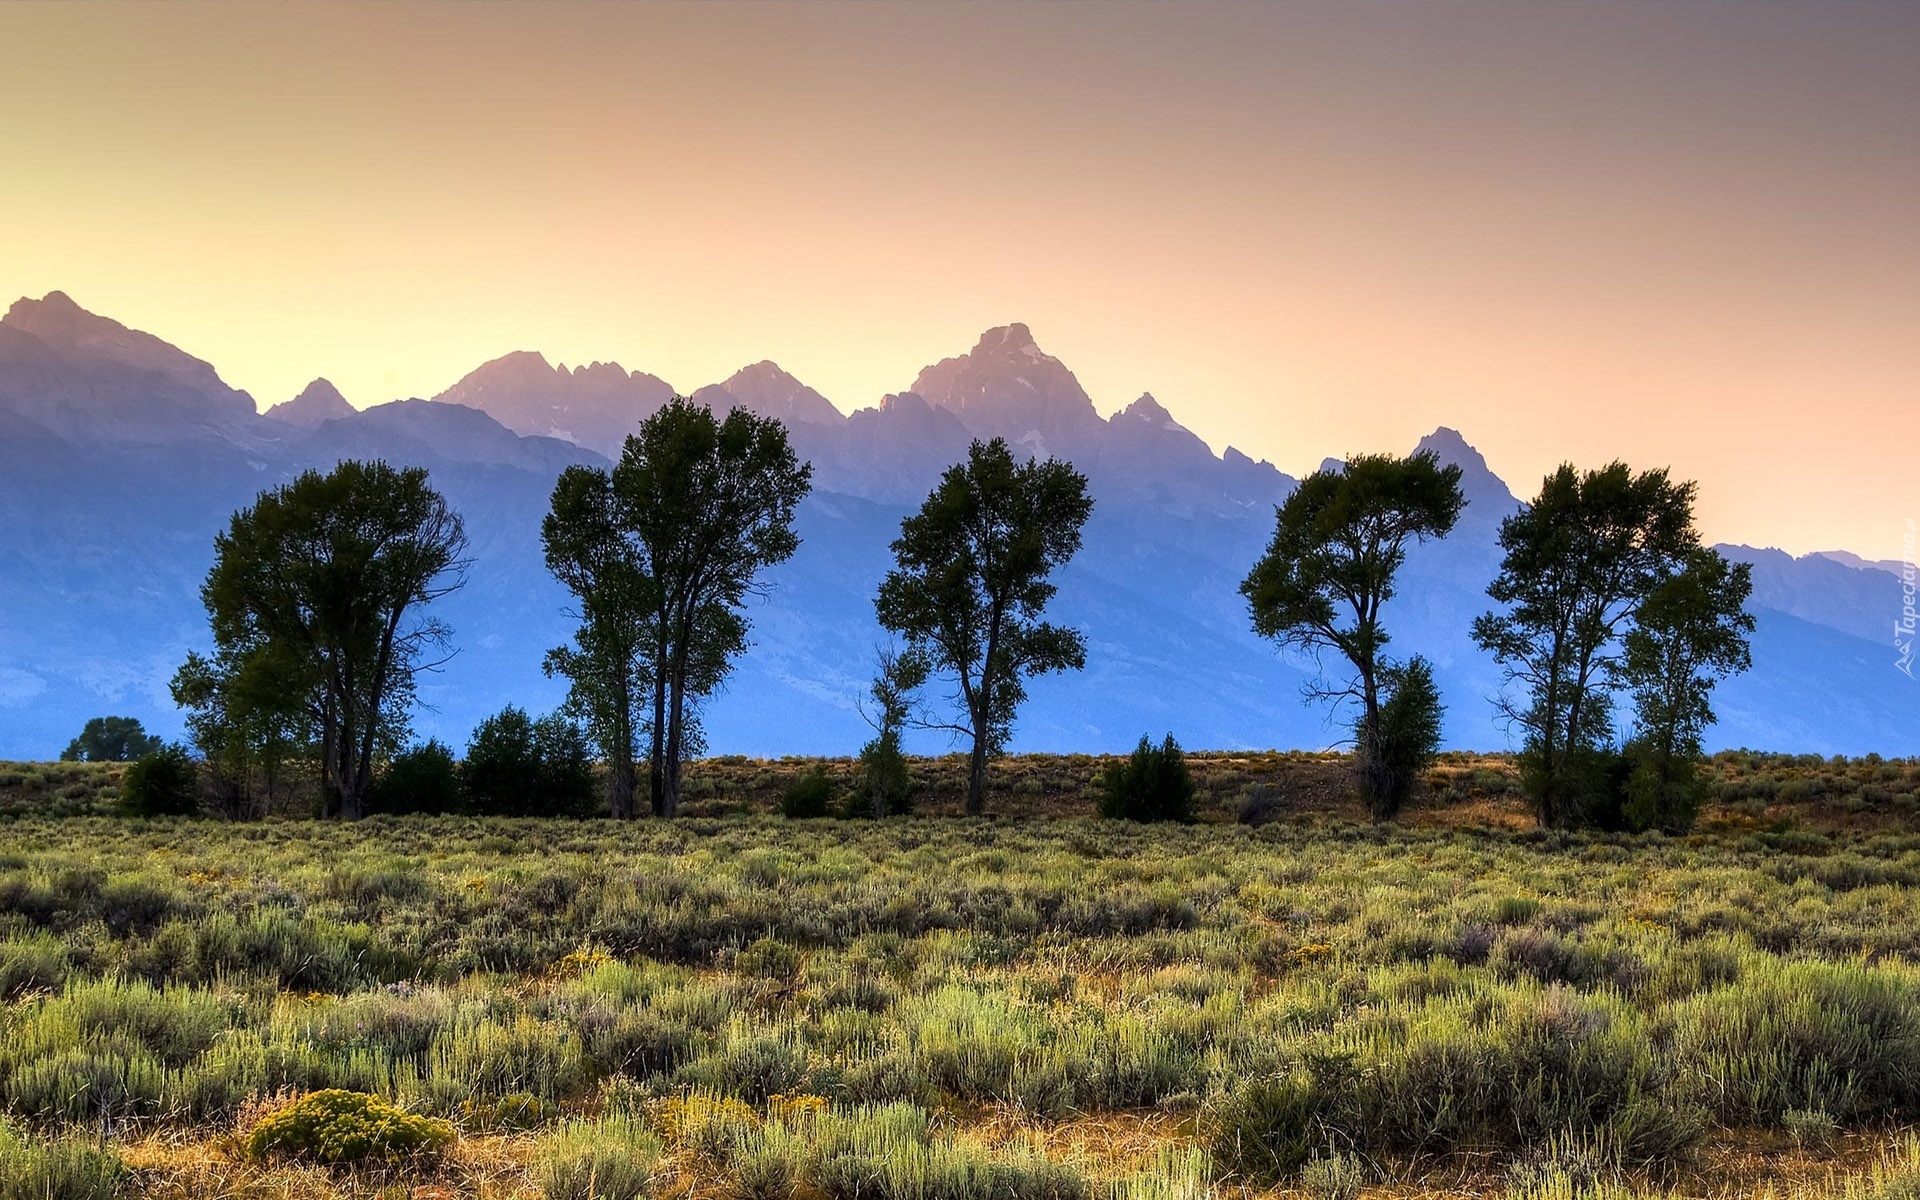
[620,784]
[656,775]
[670,764]
[977,777]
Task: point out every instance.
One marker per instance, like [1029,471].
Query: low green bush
[337,1126]
[811,795]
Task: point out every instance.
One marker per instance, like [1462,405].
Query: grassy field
[1035,1006]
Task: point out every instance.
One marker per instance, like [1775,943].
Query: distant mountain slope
[121,457]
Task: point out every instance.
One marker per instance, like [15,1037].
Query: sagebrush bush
[608,1158]
[65,1168]
[336,1126]
[1153,784]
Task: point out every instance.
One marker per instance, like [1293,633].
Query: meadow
[1039,1005]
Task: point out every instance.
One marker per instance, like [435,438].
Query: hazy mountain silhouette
[121,457]
[317,403]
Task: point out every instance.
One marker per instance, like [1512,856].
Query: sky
[1683,235]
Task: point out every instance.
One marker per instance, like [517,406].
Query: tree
[520,767]
[1692,632]
[886,787]
[319,585]
[1341,537]
[711,503]
[970,585]
[246,720]
[422,779]
[610,664]
[110,739]
[161,783]
[1153,784]
[1580,561]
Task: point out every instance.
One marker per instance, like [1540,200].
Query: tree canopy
[318,589]
[110,739]
[971,582]
[706,504]
[1579,563]
[1340,540]
[610,665]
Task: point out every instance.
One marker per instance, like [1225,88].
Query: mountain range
[121,456]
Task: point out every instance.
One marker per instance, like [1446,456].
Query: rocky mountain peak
[1486,493]
[317,403]
[1006,386]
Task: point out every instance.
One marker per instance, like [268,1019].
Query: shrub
[811,795]
[519,767]
[165,783]
[886,785]
[63,1169]
[1408,741]
[424,779]
[1265,1130]
[1153,784]
[336,1126]
[1661,791]
[1333,1177]
[1811,1129]
[1260,804]
[611,1158]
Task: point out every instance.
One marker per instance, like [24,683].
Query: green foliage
[110,739]
[313,598]
[1265,1130]
[65,1168]
[1152,785]
[423,779]
[886,786]
[1692,632]
[969,586]
[246,719]
[1580,562]
[611,665]
[335,1126]
[710,503]
[1404,741]
[164,783]
[1341,538]
[519,767]
[811,795]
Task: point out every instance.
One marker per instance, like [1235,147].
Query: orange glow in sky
[1683,235]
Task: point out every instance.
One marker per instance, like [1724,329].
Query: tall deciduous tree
[1580,562]
[1691,632]
[972,582]
[710,502]
[1341,538]
[610,663]
[326,577]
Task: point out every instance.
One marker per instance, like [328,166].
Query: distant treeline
[321,605]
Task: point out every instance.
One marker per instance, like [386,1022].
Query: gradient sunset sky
[1683,234]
